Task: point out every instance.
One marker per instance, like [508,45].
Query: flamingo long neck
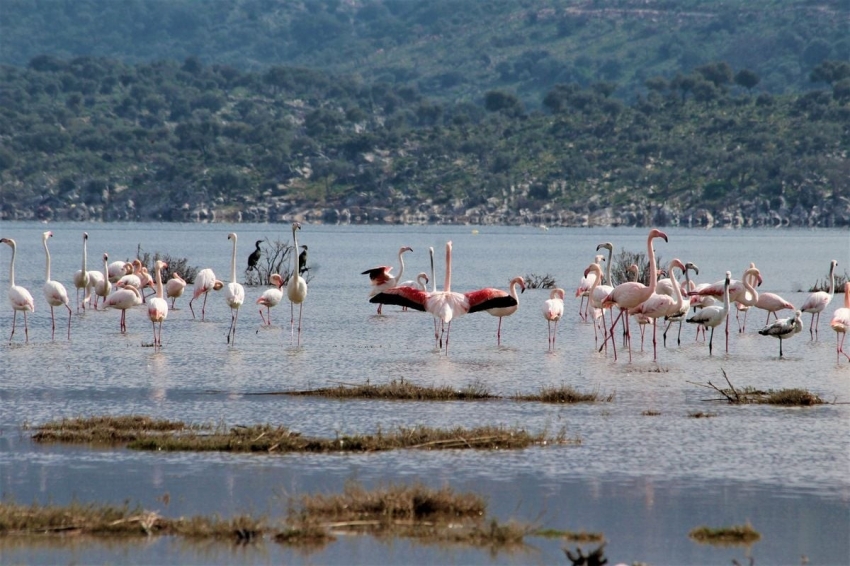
[106,270]
[85,243]
[596,279]
[12,265]
[400,264]
[512,291]
[608,267]
[433,272]
[847,295]
[751,296]
[422,284]
[726,295]
[831,280]
[159,281]
[448,284]
[295,275]
[233,262]
[47,254]
[677,292]
[653,270]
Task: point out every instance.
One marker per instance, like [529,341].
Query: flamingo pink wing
[378,275]
[488,298]
[410,297]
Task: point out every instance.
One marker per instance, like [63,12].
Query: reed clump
[401,390]
[789,397]
[107,429]
[565,394]
[735,534]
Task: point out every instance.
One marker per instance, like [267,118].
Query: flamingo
[81,277]
[54,291]
[713,315]
[132,277]
[596,295]
[494,295]
[271,297]
[174,288]
[158,306]
[146,279]
[296,288]
[234,294]
[123,298]
[633,274]
[445,305]
[583,289]
[205,282]
[739,291]
[744,304]
[103,286]
[841,322]
[816,302]
[19,297]
[553,310]
[683,310]
[118,269]
[658,305]
[771,302]
[632,293]
[784,328]
[381,278]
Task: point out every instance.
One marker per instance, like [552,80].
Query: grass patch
[794,397]
[416,511]
[173,436]
[565,394]
[701,415]
[651,413]
[402,390]
[575,536]
[736,534]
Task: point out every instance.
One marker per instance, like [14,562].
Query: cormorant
[302,261]
[255,256]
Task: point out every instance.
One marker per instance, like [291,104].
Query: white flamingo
[205,282]
[234,294]
[583,289]
[658,305]
[81,277]
[784,328]
[54,292]
[158,306]
[271,298]
[19,297]
[296,288]
[816,302]
[174,288]
[123,298]
[103,286]
[553,311]
[494,296]
[841,323]
[686,305]
[712,316]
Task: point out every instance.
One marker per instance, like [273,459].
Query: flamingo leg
[841,349]
[448,331]
[52,324]
[628,334]
[710,341]
[744,328]
[780,347]
[811,327]
[727,332]
[69,321]
[291,321]
[190,306]
[582,310]
[300,310]
[204,307]
[14,320]
[654,350]
[499,333]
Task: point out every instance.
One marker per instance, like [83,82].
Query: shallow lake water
[643,481]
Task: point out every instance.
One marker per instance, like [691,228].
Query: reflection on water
[644,481]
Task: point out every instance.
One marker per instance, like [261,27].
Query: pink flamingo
[632,293]
[158,306]
[81,277]
[421,282]
[234,294]
[103,286]
[679,316]
[118,269]
[174,288]
[816,302]
[771,302]
[784,328]
[54,291]
[739,291]
[205,282]
[95,277]
[744,303]
[19,297]
[381,278]
[658,305]
[712,316]
[125,297]
[493,296]
[445,305]
[841,322]
[296,288]
[553,310]
[583,289]
[271,298]
[596,295]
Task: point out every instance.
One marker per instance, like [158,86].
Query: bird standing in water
[255,256]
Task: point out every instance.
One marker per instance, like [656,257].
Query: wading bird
[54,292]
[81,277]
[712,316]
[234,294]
[103,286]
[817,301]
[841,322]
[205,282]
[553,310]
[296,288]
[784,328]
[491,294]
[271,298]
[381,278]
[158,306]
[123,298]
[19,297]
[174,288]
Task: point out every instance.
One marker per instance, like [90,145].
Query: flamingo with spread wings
[381,278]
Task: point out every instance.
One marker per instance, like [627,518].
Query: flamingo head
[521,282]
[276,279]
[728,278]
[655,233]
[176,275]
[557,294]
[593,267]
[296,226]
[85,235]
[47,234]
[231,236]
[607,245]
[405,249]
[692,266]
[160,264]
[598,259]
[677,263]
[105,257]
[217,286]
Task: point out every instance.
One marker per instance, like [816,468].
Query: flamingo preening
[381,278]
[81,277]
[771,302]
[784,328]
[584,286]
[158,306]
[19,297]
[841,323]
[816,302]
[54,292]
[103,285]
[296,287]
[234,294]
[713,315]
[118,269]
[271,298]
[632,293]
[553,310]
[205,282]
[123,298]
[174,288]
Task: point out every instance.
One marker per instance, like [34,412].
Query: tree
[747,79]
[504,102]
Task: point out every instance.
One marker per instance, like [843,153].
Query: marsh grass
[793,397]
[142,433]
[651,413]
[415,511]
[736,534]
[701,415]
[401,390]
[575,536]
[565,394]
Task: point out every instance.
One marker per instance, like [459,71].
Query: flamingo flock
[121,285]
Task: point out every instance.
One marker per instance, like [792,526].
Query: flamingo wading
[381,278]
[234,293]
[19,297]
[296,288]
[54,292]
